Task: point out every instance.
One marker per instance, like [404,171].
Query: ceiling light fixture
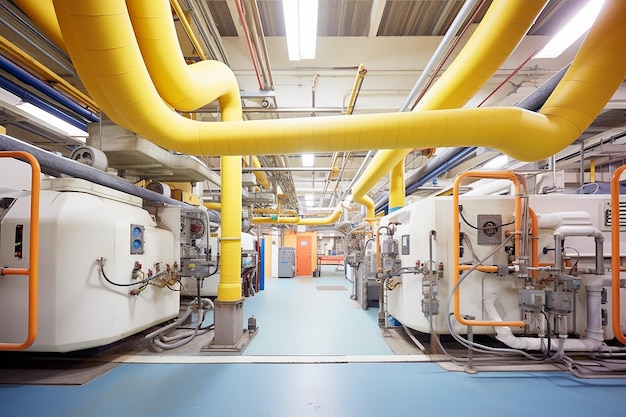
[41,116]
[573,30]
[54,122]
[308,159]
[300,28]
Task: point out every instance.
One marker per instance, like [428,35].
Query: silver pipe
[63,62]
[582,163]
[558,260]
[599,255]
[369,155]
[447,40]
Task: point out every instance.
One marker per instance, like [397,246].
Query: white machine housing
[80,225]
[413,230]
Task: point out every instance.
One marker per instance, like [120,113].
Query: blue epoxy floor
[297,318]
[363,390]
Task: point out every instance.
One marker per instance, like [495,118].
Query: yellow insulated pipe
[184,87]
[260,175]
[188,87]
[501,29]
[332,218]
[229,287]
[396,186]
[42,13]
[110,61]
[213,206]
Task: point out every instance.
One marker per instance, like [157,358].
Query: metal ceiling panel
[344,17]
[418,17]
[222,17]
[272,19]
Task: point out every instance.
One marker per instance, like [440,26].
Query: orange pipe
[615,256]
[455,246]
[246,31]
[481,268]
[33,248]
[534,241]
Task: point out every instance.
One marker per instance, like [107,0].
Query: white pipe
[554,220]
[592,341]
[578,230]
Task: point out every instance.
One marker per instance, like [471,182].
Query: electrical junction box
[489,229]
[196,268]
[531,300]
[559,302]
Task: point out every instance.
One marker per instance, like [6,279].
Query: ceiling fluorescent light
[53,122]
[573,30]
[308,159]
[300,28]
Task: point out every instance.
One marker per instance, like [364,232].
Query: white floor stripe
[209,359]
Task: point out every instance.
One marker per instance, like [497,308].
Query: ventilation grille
[622,215]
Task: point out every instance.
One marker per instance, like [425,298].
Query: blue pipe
[262,265]
[453,161]
[29,79]
[42,104]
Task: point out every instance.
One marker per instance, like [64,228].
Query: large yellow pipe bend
[41,12]
[500,31]
[104,52]
[184,87]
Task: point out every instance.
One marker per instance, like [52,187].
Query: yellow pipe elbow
[332,218]
[396,188]
[501,29]
[184,87]
[260,175]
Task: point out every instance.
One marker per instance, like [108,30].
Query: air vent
[622,215]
